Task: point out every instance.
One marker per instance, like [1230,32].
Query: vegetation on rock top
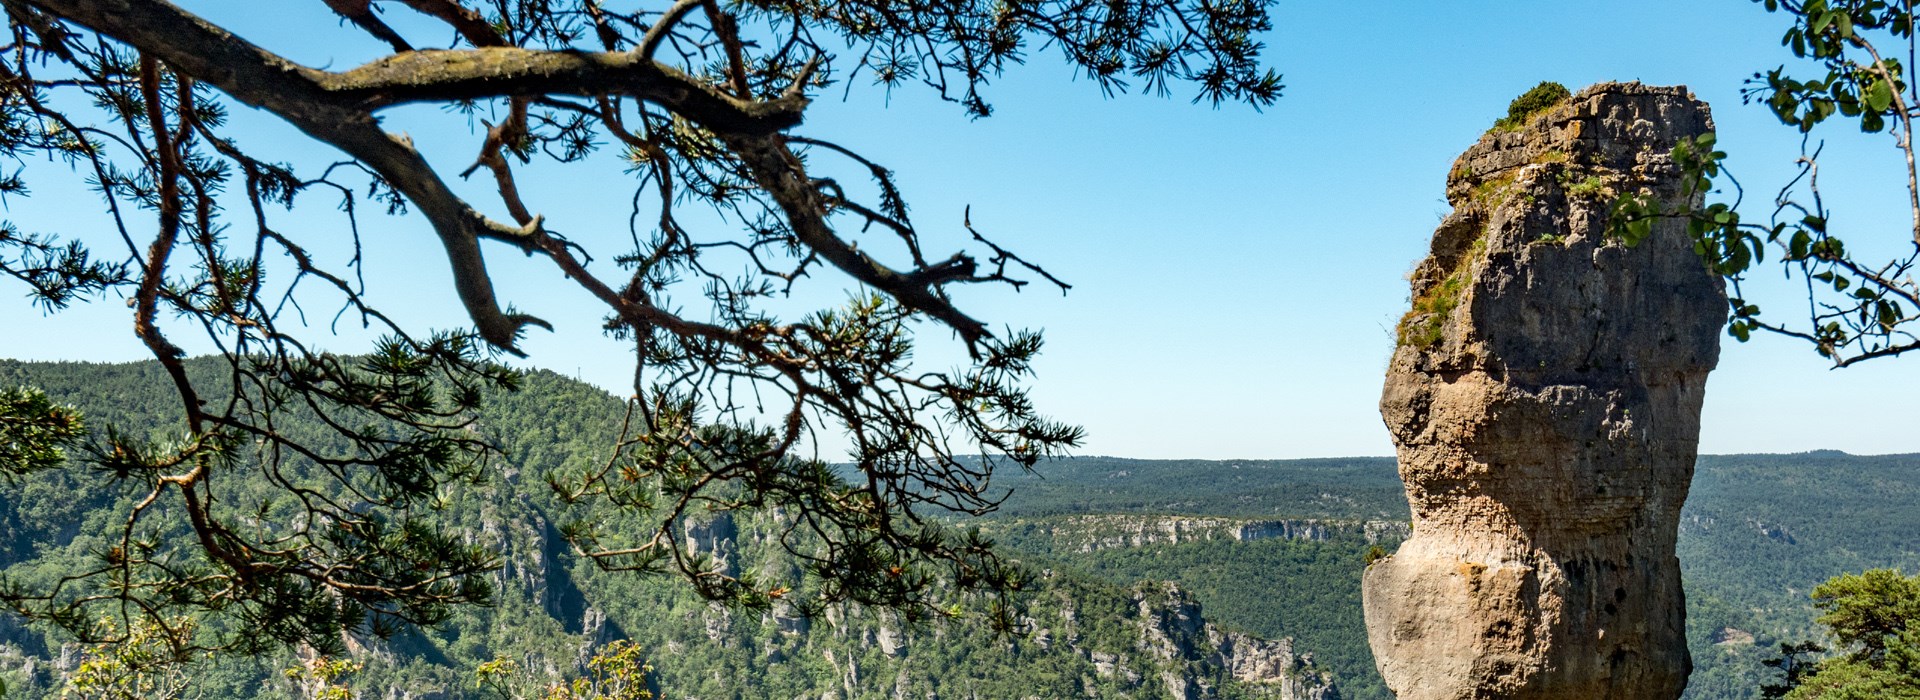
[1426,323]
[1539,98]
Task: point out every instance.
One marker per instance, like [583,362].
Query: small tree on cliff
[701,100]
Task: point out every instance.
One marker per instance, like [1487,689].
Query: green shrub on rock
[1539,99]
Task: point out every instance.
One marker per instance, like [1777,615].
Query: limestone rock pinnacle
[1545,403]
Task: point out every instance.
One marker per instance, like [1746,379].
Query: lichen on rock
[1545,402]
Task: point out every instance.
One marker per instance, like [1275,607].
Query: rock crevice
[1545,403]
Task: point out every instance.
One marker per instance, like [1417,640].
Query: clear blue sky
[1236,274]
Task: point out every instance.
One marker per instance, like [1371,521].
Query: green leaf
[1879,96]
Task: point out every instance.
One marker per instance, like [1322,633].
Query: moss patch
[1492,191]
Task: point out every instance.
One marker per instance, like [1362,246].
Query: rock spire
[1545,403]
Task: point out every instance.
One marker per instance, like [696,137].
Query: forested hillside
[1358,488]
[1079,635]
[1760,531]
[1273,549]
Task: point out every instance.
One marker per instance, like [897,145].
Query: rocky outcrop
[1377,531]
[1150,640]
[1192,653]
[1273,665]
[1545,403]
[1153,642]
[714,536]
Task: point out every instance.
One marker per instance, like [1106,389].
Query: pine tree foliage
[702,101]
[1874,618]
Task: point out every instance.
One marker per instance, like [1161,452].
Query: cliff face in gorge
[1147,640]
[1081,534]
[1545,402]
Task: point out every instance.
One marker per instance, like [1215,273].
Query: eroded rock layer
[1545,403]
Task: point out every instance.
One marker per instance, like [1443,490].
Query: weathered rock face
[1174,632]
[715,537]
[1545,402]
[1095,533]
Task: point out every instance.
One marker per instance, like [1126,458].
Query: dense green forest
[1079,635]
[1758,533]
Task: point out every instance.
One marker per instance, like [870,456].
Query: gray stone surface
[1545,403]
